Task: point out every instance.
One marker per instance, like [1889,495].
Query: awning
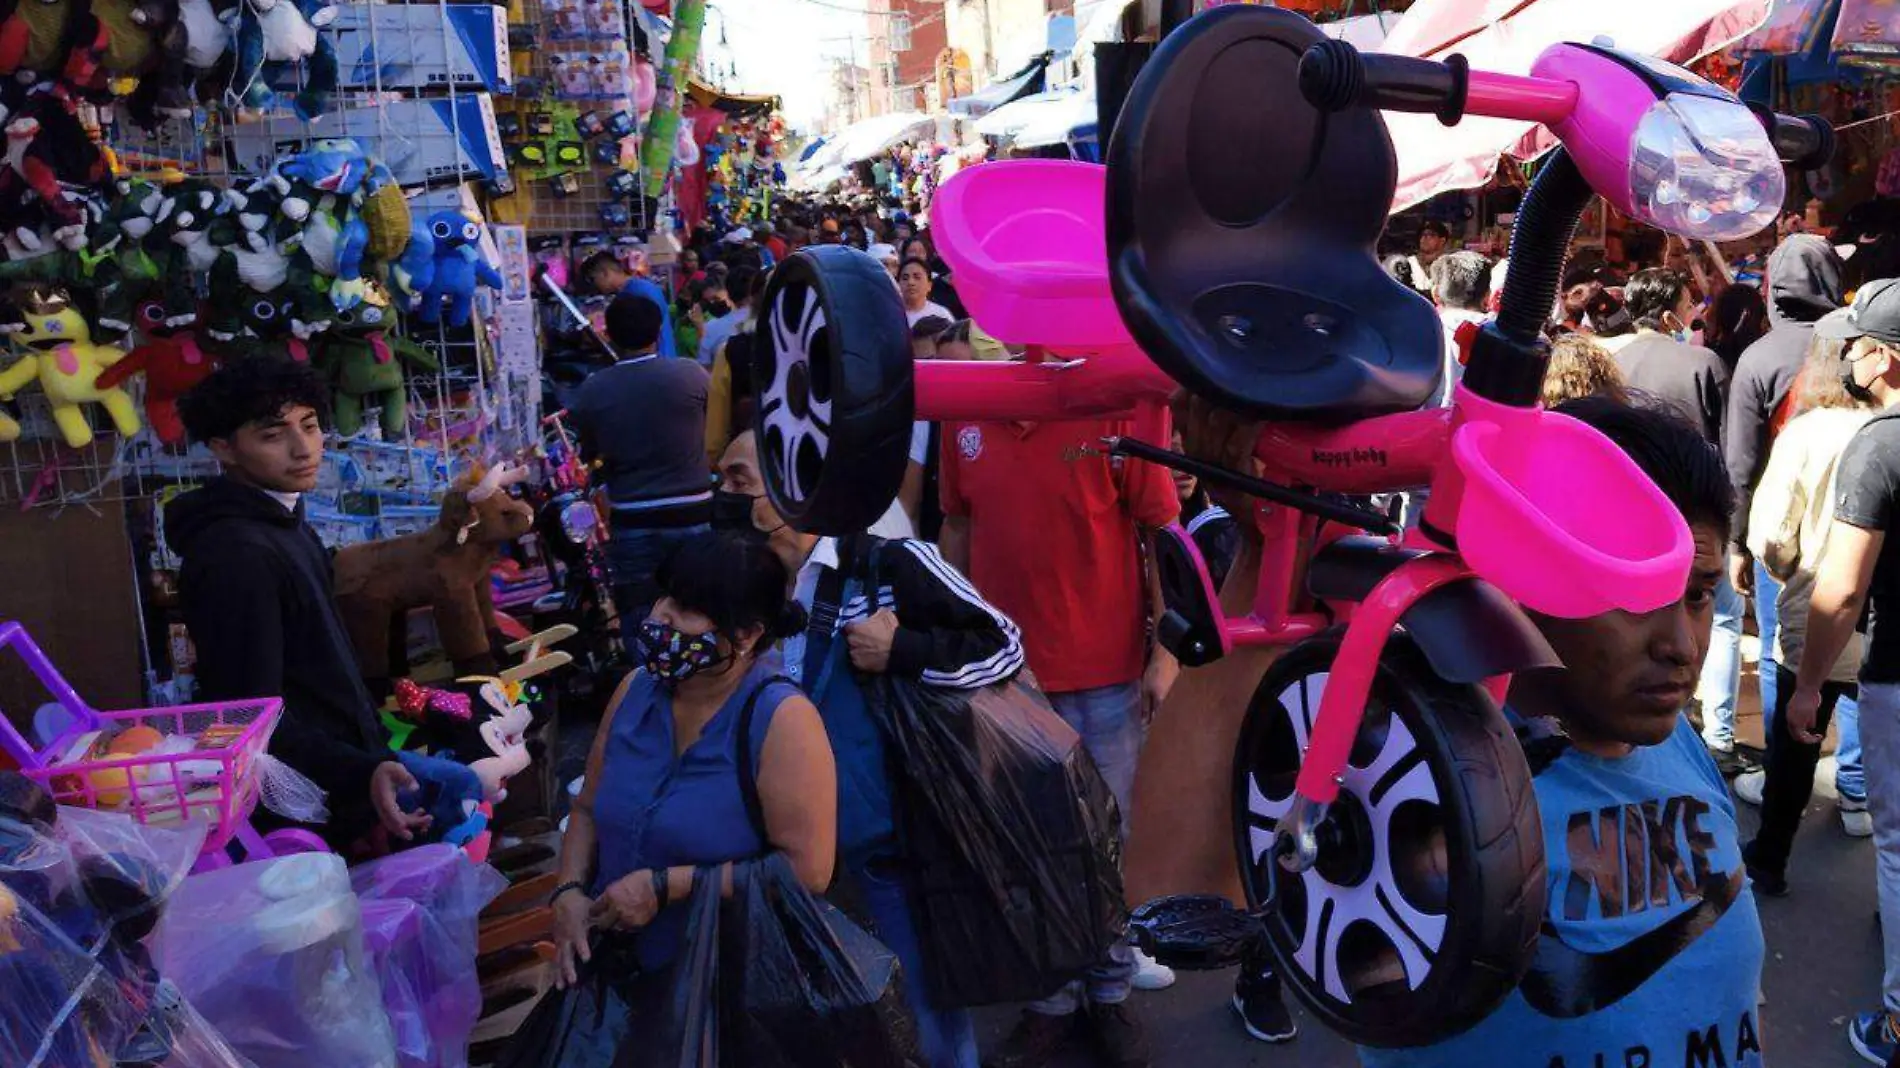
[1506,36]
[737,105]
[862,140]
[1050,118]
[996,94]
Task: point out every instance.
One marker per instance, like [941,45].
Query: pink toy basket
[1024,241]
[215,781]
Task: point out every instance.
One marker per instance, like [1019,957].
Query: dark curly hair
[248,391]
[737,584]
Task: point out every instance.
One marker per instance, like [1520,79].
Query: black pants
[1790,766]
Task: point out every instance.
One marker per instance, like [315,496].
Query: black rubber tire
[832,374]
[1488,875]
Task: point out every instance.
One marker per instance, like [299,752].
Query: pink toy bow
[413,701]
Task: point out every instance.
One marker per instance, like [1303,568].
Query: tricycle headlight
[1704,167]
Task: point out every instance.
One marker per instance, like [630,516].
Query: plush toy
[61,356]
[113,274]
[458,267]
[450,793]
[326,183]
[365,366]
[33,36]
[172,363]
[412,273]
[283,31]
[52,166]
[185,220]
[445,567]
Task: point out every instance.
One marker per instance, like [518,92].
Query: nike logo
[1565,983]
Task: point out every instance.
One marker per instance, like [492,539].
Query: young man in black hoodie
[257,591]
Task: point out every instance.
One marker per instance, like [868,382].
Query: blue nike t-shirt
[1651,950]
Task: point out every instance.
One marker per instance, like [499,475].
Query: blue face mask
[673,656]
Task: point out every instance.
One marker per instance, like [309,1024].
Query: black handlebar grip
[1335,76]
[1804,142]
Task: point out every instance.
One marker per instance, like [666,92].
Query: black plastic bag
[807,988]
[583,1026]
[773,978]
[1013,836]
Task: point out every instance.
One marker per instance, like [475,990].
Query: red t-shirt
[1053,541]
[779,248]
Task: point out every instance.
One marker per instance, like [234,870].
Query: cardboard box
[422,141]
[418,47]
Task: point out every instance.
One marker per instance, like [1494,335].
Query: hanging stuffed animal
[115,273]
[459,266]
[412,273]
[283,31]
[326,184]
[364,364]
[185,220]
[33,37]
[60,355]
[172,362]
[53,170]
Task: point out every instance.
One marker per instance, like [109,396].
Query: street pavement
[1823,966]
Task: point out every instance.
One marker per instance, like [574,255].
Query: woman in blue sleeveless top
[667,784]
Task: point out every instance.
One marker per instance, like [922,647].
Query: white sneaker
[1151,974]
[1719,745]
[1748,786]
[1855,819]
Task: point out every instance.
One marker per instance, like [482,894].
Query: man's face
[282,453]
[689,260]
[1627,677]
[914,282]
[1578,297]
[1684,311]
[1430,243]
[739,473]
[608,279]
[923,348]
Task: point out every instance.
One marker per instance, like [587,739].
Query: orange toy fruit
[133,740]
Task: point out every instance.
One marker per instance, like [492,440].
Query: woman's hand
[571,926]
[629,903]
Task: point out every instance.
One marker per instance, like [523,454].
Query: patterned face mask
[673,656]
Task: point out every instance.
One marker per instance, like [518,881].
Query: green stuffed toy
[114,273]
[364,363]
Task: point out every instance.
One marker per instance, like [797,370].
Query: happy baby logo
[970,442]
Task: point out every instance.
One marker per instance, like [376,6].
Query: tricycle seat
[1242,226]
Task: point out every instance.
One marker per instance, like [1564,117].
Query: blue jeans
[1109,720]
[1850,778]
[1722,671]
[946,1036]
[635,556]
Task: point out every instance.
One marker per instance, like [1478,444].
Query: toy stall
[393,194]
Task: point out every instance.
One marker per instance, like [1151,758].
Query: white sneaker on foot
[1855,819]
[1748,786]
[1151,974]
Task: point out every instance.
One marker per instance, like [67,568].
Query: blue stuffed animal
[282,31]
[412,273]
[458,268]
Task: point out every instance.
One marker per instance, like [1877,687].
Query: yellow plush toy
[60,355]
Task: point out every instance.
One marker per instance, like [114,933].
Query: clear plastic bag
[79,892]
[272,954]
[421,908]
[1012,836]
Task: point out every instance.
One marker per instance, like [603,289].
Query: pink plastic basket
[1024,241]
[1561,519]
[215,783]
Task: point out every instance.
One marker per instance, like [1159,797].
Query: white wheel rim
[1331,909]
[786,432]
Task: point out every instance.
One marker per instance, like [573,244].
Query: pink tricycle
[189,763]
[1386,826]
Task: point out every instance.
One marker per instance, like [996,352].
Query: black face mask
[732,514]
[1855,389]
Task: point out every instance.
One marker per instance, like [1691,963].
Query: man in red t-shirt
[1051,531]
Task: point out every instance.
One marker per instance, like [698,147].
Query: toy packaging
[396,46]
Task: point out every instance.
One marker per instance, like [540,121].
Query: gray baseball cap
[1875,313]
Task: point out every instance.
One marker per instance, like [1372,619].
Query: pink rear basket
[1559,518]
[216,784]
[1024,241]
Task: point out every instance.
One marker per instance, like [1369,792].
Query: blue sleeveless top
[655,810]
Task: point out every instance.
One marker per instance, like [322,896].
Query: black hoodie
[257,598]
[1804,280]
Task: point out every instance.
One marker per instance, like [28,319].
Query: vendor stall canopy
[857,142]
[1030,79]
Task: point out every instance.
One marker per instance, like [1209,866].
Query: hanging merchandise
[364,363]
[59,355]
[1792,28]
[1868,33]
[689,19]
[283,31]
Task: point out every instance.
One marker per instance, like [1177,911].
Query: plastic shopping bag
[421,908]
[772,978]
[583,1026]
[1012,835]
[272,954]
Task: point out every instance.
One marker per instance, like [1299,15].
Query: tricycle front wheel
[1423,909]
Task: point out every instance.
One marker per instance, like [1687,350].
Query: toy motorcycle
[1385,820]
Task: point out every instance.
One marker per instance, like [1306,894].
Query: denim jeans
[1850,779]
[635,556]
[1722,671]
[1880,738]
[1109,720]
[946,1036]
